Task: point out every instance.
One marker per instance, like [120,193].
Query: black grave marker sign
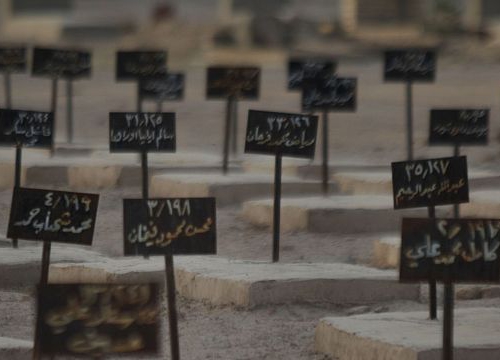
[134,132]
[26,128]
[459,127]
[410,65]
[302,71]
[239,82]
[13,59]
[104,320]
[456,250]
[162,87]
[57,216]
[431,182]
[177,226]
[63,63]
[332,93]
[287,134]
[133,65]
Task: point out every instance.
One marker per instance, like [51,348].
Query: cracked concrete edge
[260,214]
[344,345]
[188,284]
[15,349]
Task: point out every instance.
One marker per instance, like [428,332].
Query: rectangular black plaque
[134,132]
[410,65]
[333,93]
[177,226]
[63,63]
[166,87]
[26,128]
[302,71]
[458,250]
[99,320]
[13,59]
[430,182]
[459,127]
[132,65]
[57,216]
[288,134]
[240,82]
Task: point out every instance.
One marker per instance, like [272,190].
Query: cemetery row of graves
[120,319]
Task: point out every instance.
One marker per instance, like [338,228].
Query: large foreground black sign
[240,82]
[132,65]
[98,320]
[162,87]
[135,132]
[308,71]
[71,64]
[182,226]
[13,59]
[26,128]
[53,215]
[458,250]
[410,65]
[287,134]
[333,93]
[430,182]
[459,127]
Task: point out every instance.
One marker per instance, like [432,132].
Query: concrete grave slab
[248,284]
[22,266]
[484,203]
[409,336]
[334,214]
[228,189]
[98,168]
[380,182]
[15,349]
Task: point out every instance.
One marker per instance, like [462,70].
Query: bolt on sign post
[409,66]
[280,134]
[68,64]
[19,128]
[167,227]
[161,88]
[458,127]
[232,84]
[450,251]
[52,216]
[330,94]
[105,320]
[134,65]
[142,133]
[13,59]
[429,183]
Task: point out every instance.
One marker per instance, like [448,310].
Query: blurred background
[198,33]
